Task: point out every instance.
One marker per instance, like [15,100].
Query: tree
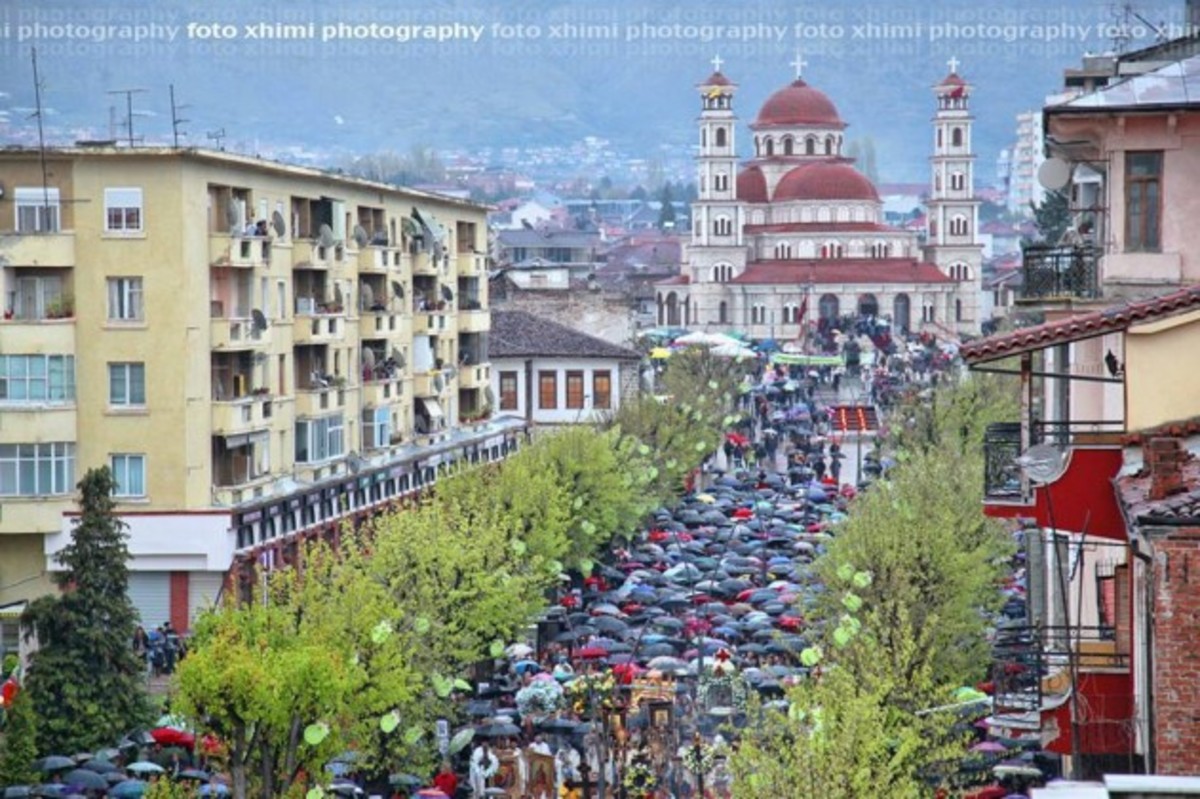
[85,667]
[666,213]
[19,747]
[1052,216]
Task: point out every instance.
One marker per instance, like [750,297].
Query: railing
[1030,663]
[1002,447]
[1060,271]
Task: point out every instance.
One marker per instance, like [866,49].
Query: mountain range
[354,76]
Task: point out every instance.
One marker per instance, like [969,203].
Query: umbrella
[558,726]
[101,766]
[129,789]
[345,789]
[211,789]
[193,774]
[144,767]
[169,736]
[113,777]
[989,746]
[431,793]
[498,731]
[87,780]
[461,739]
[17,792]
[405,780]
[107,754]
[518,651]
[54,763]
[51,790]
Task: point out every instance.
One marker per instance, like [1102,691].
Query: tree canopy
[85,682]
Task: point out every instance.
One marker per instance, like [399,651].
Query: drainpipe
[529,392]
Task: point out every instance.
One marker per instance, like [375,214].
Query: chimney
[1164,458]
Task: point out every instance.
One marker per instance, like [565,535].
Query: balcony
[245,252]
[243,415]
[377,259]
[1060,272]
[319,329]
[238,334]
[315,401]
[309,254]
[423,264]
[38,335]
[37,249]
[474,321]
[471,264]
[474,376]
[380,324]
[430,323]
[429,384]
[377,393]
[1002,478]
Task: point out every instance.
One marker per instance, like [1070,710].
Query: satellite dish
[260,320]
[366,296]
[489,396]
[233,218]
[1054,173]
[447,293]
[361,237]
[1043,463]
[450,372]
[398,357]
[278,223]
[325,236]
[368,356]
[439,384]
[355,463]
[397,289]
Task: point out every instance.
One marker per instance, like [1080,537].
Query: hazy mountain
[623,70]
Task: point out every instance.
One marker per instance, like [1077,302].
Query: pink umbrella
[989,746]
[432,793]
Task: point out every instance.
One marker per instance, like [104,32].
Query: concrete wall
[1161,388]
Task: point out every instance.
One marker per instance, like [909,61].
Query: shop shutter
[150,593]
[203,590]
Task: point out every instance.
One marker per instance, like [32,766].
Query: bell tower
[953,210]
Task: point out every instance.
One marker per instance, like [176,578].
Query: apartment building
[258,351]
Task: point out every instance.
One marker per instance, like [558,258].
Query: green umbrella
[461,739]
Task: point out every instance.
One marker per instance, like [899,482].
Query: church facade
[794,238]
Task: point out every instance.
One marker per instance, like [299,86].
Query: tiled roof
[1183,427]
[1076,328]
[798,104]
[1183,508]
[717,79]
[519,334]
[842,270]
[524,237]
[677,280]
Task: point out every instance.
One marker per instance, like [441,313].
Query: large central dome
[798,104]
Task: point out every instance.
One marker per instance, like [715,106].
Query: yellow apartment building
[259,351]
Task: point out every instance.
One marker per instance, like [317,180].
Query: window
[31,470]
[575,390]
[880,249]
[129,474]
[958,181]
[602,389]
[720,137]
[37,378]
[958,311]
[722,273]
[722,226]
[787,145]
[956,137]
[123,210]
[791,314]
[828,145]
[958,226]
[769,146]
[783,251]
[37,210]
[1143,223]
[721,182]
[319,439]
[508,391]
[758,315]
[36,298]
[723,312]
[831,250]
[810,146]
[377,428]
[125,299]
[127,384]
[547,390]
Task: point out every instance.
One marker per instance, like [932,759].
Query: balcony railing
[1060,271]
[1002,447]
[1031,663]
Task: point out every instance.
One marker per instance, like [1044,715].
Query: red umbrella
[168,736]
[743,513]
[590,652]
[626,672]
[737,439]
[432,793]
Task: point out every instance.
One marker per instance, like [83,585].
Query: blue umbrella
[129,789]
[212,789]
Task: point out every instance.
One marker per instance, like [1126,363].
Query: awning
[13,610]
[432,409]
[245,439]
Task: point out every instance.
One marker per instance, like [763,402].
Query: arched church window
[720,137]
[956,137]
[769,146]
[828,145]
[810,146]
[787,145]
[958,226]
[958,181]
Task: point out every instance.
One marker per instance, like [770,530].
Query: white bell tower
[953,243]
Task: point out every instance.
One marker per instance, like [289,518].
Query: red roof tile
[842,270]
[1076,328]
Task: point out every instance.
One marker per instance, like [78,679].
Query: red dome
[825,181]
[717,79]
[798,104]
[751,185]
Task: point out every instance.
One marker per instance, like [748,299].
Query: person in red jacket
[446,781]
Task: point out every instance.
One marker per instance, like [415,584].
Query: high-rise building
[258,351]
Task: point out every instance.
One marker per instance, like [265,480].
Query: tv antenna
[218,136]
[129,93]
[37,98]
[176,120]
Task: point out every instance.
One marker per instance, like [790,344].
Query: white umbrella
[519,651]
[733,351]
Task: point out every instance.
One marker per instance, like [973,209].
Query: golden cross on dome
[717,62]
[953,64]
[799,64]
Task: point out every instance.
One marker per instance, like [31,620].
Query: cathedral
[793,241]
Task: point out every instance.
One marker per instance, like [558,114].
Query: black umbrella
[101,766]
[657,650]
[609,624]
[497,730]
[17,792]
[54,763]
[558,726]
[114,777]
[87,780]
[51,790]
[194,774]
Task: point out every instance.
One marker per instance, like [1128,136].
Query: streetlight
[698,751]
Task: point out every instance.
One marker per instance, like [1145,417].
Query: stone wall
[605,315]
